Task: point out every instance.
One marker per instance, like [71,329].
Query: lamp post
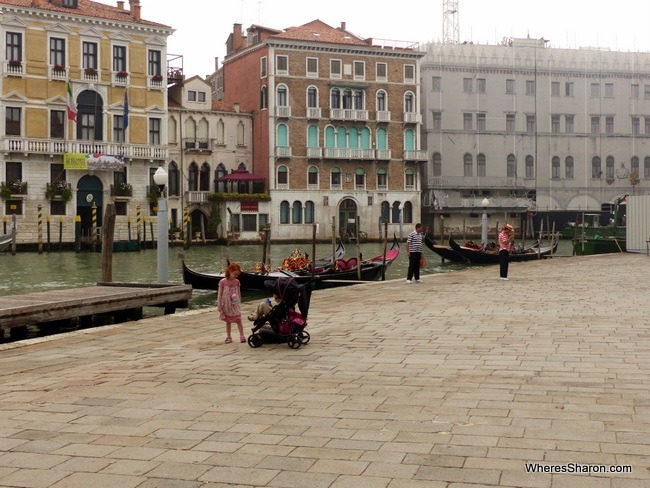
[160,179]
[401,221]
[484,222]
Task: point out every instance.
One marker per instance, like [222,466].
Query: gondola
[445,252]
[477,256]
[5,240]
[371,270]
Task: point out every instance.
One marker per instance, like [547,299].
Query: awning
[241,175]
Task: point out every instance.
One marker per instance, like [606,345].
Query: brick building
[336,127]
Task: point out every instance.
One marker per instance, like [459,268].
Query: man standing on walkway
[414,252]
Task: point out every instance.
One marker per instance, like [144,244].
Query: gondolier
[506,242]
[414,252]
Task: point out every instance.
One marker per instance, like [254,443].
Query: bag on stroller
[283,323]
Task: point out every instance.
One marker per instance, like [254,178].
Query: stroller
[283,323]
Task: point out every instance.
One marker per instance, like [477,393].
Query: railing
[14,68]
[474,182]
[335,152]
[283,111]
[416,155]
[412,118]
[283,151]
[315,152]
[348,114]
[197,196]
[91,76]
[57,73]
[383,116]
[120,80]
[313,113]
[356,153]
[49,146]
[197,144]
[155,83]
[383,154]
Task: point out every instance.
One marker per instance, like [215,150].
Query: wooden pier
[124,301]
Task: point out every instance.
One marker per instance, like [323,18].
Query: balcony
[314,152]
[91,75]
[475,182]
[197,197]
[192,144]
[57,72]
[313,113]
[383,154]
[348,114]
[415,155]
[348,153]
[283,112]
[155,82]
[412,118]
[282,151]
[14,68]
[51,146]
[120,78]
[383,116]
[356,153]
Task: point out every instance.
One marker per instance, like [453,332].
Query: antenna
[450,32]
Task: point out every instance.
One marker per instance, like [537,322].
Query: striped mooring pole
[137,223]
[94,226]
[40,229]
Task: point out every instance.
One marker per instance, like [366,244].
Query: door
[89,192]
[348,218]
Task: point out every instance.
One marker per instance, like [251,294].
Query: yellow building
[84,92]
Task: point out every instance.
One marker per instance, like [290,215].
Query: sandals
[242,339]
[228,340]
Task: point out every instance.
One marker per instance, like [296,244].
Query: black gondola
[445,252]
[479,256]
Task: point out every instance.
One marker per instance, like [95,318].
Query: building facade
[532,128]
[84,96]
[336,126]
[208,141]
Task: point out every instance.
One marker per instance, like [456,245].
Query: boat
[586,246]
[591,229]
[341,275]
[445,252]
[481,256]
[5,240]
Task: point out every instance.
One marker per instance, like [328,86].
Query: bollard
[4,224]
[49,244]
[188,231]
[128,227]
[13,235]
[93,238]
[60,233]
[151,231]
[40,228]
[77,233]
[144,233]
[137,224]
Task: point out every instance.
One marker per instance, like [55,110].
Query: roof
[317,30]
[86,8]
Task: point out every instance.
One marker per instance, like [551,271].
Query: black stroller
[284,323]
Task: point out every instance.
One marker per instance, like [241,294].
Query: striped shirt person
[414,251]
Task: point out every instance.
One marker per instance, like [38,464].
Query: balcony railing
[348,114]
[283,151]
[483,182]
[49,146]
[197,144]
[14,68]
[335,152]
[356,153]
[383,116]
[119,78]
[283,112]
[57,73]
[348,153]
[313,113]
[155,82]
[315,152]
[415,155]
[90,75]
[197,196]
[383,154]
[412,118]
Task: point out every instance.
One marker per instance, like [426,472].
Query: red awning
[240,175]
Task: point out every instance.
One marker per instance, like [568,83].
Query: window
[436,84]
[555,168]
[154,131]
[409,73]
[69,3]
[382,71]
[240,134]
[335,98]
[12,121]
[409,102]
[609,125]
[57,124]
[646,91]
[568,89]
[596,172]
[468,85]
[634,165]
[467,122]
[204,177]
[119,58]
[283,175]
[193,178]
[191,96]
[409,181]
[467,165]
[284,212]
[309,212]
[396,213]
[312,97]
[281,65]
[263,67]
[381,101]
[312,176]
[385,211]
[609,168]
[530,167]
[530,87]
[480,122]
[263,98]
[568,124]
[481,85]
[57,51]
[118,128]
[568,167]
[595,90]
[200,96]
[382,179]
[359,70]
[249,222]
[359,179]
[437,164]
[335,68]
[480,165]
[530,123]
[609,90]
[221,132]
[87,127]
[335,177]
[437,120]
[510,87]
[511,166]
[312,67]
[634,91]
[357,97]
[14,46]
[281,98]
[174,179]
[510,123]
[555,88]
[154,62]
[647,125]
[555,124]
[57,175]
[595,124]
[646,167]
[636,126]
[89,59]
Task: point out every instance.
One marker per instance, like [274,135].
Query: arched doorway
[89,192]
[347,217]
[199,223]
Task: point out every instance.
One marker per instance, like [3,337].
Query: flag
[126,110]
[72,105]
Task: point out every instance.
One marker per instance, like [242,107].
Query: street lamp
[484,222]
[160,179]
[401,221]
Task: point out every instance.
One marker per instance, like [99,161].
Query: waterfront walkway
[456,382]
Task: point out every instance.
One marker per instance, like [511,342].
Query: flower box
[58,190]
[58,67]
[15,62]
[90,71]
[157,77]
[122,190]
[122,74]
[15,187]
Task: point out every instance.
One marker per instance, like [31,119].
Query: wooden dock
[124,301]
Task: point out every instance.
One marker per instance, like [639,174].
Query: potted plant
[59,68]
[15,63]
[58,190]
[124,189]
[90,71]
[157,77]
[122,74]
[15,187]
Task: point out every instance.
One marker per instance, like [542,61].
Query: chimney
[343,25]
[37,3]
[120,4]
[135,9]
[216,63]
[237,41]
[235,107]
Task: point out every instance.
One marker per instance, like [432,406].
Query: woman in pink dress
[229,302]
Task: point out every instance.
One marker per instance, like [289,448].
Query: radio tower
[450,34]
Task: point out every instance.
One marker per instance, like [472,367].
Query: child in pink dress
[229,302]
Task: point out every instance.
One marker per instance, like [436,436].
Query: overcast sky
[202,26]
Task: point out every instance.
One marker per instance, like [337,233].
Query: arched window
[335,177]
[282,135]
[555,167]
[296,213]
[312,177]
[382,139]
[365,138]
[385,211]
[309,212]
[381,101]
[382,179]
[437,164]
[409,140]
[395,213]
[409,102]
[353,137]
[283,175]
[204,178]
[202,134]
[530,167]
[347,98]
[174,179]
[240,134]
[358,99]
[281,96]
[480,165]
[190,134]
[407,218]
[409,179]
[171,131]
[568,167]
[263,98]
[312,136]
[284,212]
[330,136]
[359,179]
[341,137]
[193,177]
[511,166]
[634,166]
[609,168]
[220,186]
[646,167]
[468,165]
[312,97]
[335,98]
[596,172]
[221,138]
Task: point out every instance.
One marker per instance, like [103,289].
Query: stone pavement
[457,382]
